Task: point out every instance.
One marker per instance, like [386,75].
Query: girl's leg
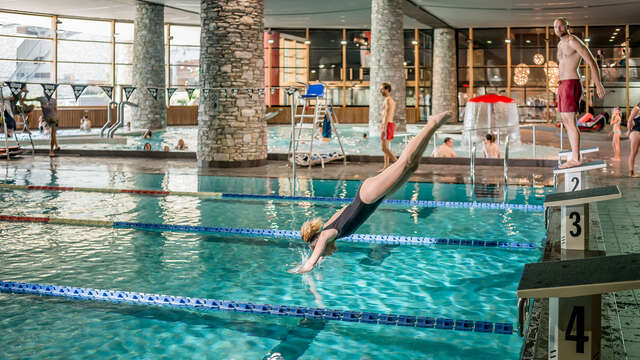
[616,146]
[634,138]
[399,172]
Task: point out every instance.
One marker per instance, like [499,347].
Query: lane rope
[288,234]
[220,195]
[116,296]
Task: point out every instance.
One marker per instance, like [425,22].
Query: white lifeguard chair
[306,123]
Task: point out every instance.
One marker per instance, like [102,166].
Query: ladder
[306,122]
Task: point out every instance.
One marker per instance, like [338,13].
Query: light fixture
[508,41]
[528,41]
[587,39]
[307,42]
[313,71]
[521,74]
[489,41]
[404,63]
[270,41]
[333,65]
[538,59]
[618,29]
[615,33]
[610,40]
[552,71]
[414,42]
[343,42]
[321,66]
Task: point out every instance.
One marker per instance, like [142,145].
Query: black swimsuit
[636,123]
[353,216]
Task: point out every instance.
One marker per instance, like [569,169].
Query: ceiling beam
[423,16]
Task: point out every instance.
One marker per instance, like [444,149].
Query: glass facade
[519,62]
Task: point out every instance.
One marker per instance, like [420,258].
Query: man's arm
[579,46]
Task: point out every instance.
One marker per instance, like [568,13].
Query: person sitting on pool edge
[372,191]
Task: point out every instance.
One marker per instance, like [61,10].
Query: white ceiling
[517,13]
[357,13]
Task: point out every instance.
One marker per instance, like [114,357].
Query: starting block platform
[574,289]
[574,207]
[573,176]
[565,154]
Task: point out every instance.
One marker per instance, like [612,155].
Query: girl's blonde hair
[310,228]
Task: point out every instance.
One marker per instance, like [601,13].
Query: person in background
[129,126]
[165,148]
[50,115]
[147,134]
[147,147]
[490,148]
[446,149]
[387,126]
[8,116]
[633,132]
[181,145]
[615,132]
[42,125]
[85,123]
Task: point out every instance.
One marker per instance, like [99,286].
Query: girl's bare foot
[569,164]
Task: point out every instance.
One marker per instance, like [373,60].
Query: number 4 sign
[574,327]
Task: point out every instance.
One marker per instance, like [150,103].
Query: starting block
[573,176]
[574,288]
[575,213]
[566,153]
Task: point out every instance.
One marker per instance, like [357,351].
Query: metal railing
[506,160]
[473,163]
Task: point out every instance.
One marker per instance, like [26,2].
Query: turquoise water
[465,283]
[279,136]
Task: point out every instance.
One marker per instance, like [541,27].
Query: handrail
[109,117]
[506,159]
[4,124]
[473,163]
[120,119]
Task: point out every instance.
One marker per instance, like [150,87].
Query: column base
[231,164]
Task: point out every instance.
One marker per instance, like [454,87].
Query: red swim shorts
[390,128]
[569,94]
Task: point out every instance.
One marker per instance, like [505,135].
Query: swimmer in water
[321,237]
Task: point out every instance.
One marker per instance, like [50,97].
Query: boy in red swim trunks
[571,50]
[387,127]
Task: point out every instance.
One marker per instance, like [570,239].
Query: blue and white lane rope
[220,195]
[355,238]
[417,203]
[115,296]
[287,234]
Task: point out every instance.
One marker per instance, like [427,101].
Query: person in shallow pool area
[321,237]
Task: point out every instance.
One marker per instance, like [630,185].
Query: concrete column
[444,88]
[148,67]
[232,131]
[387,57]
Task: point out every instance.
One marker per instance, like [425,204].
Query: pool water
[457,283]
[279,136]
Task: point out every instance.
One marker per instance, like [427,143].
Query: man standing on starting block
[571,50]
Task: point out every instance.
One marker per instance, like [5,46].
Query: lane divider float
[126,297]
[287,234]
[220,195]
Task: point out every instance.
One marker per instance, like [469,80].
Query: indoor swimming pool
[442,282]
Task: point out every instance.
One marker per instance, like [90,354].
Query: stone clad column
[444,90]
[148,67]
[387,57]
[232,131]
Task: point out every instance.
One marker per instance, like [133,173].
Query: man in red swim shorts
[571,50]
[387,127]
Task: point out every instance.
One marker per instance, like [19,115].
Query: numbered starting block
[566,154]
[575,213]
[573,176]
[574,288]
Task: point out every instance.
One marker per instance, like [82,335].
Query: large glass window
[490,57]
[325,59]
[26,44]
[358,55]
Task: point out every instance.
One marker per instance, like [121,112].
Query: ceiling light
[343,42]
[321,66]
[307,42]
[270,41]
[507,41]
[489,41]
[618,29]
[414,42]
[587,39]
[528,41]
[404,63]
[610,40]
[313,71]
[615,33]
[333,65]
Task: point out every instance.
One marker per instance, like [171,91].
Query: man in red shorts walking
[387,126]
[571,50]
